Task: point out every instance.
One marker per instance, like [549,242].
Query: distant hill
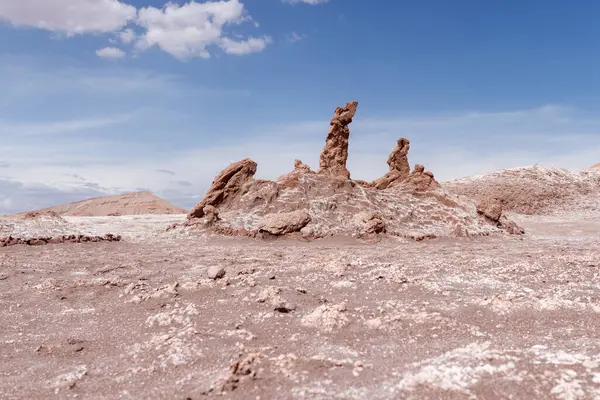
[595,166]
[533,189]
[135,203]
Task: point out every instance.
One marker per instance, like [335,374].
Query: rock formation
[226,186]
[399,167]
[335,153]
[325,203]
[420,180]
[293,178]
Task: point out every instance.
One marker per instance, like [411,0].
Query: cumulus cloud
[68,16]
[184,31]
[111,53]
[127,36]
[189,30]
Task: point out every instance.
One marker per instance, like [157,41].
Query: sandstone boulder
[284,223]
[490,208]
[335,153]
[399,167]
[369,222]
[226,187]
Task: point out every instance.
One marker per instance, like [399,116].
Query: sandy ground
[490,317]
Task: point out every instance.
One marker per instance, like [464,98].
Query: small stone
[215,272]
[284,307]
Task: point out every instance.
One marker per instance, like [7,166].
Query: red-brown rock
[335,153]
[490,208]
[226,187]
[399,167]
[420,180]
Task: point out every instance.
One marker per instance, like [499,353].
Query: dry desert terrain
[501,316]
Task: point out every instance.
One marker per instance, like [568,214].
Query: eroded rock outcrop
[420,180]
[327,202]
[293,178]
[226,186]
[399,167]
[335,153]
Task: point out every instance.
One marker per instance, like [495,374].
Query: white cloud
[112,53]
[312,2]
[189,30]
[244,46]
[184,31]
[127,36]
[295,37]
[68,16]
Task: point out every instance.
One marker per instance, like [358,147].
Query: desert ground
[500,316]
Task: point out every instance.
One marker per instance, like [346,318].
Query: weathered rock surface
[40,241]
[420,180]
[215,272]
[533,190]
[335,153]
[227,186]
[369,222]
[399,167]
[490,208]
[283,223]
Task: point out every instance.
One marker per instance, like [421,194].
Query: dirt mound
[135,203]
[325,203]
[533,190]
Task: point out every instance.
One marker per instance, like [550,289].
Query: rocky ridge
[316,204]
[533,190]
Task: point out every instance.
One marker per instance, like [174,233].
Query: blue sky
[107,96]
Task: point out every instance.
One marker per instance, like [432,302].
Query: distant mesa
[316,204]
[135,203]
